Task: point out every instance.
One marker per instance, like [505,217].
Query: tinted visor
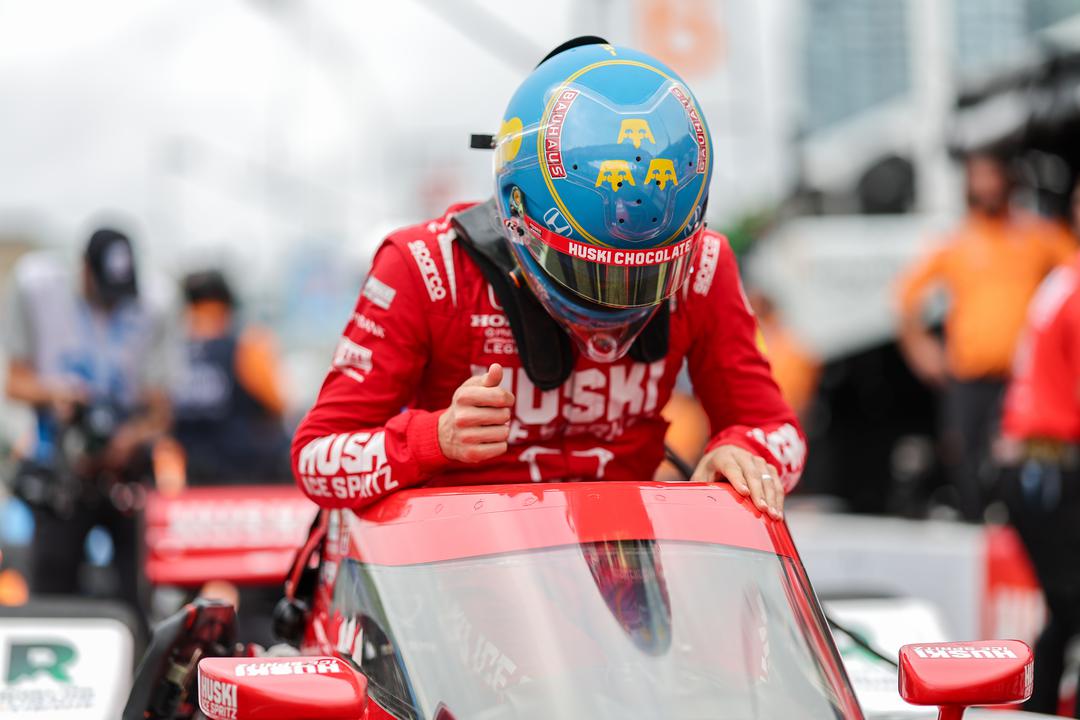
[615,277]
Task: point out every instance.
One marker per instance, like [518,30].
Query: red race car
[577,600]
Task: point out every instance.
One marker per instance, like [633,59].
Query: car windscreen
[619,629]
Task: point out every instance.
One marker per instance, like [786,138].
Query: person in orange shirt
[229,404]
[989,267]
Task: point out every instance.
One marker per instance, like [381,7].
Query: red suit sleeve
[358,443]
[731,376]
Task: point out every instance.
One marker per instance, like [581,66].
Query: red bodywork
[451,523]
[430,525]
[280,689]
[956,675]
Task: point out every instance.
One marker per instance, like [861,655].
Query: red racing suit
[1042,401]
[427,320]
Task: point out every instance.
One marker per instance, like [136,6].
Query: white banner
[64,669]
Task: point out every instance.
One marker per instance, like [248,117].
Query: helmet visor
[615,277]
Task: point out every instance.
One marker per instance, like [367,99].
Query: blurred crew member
[228,403]
[796,370]
[1041,473]
[536,337]
[989,266]
[86,347]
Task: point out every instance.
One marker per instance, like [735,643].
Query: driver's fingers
[705,471]
[734,474]
[768,487]
[780,492]
[753,481]
[485,434]
[470,416]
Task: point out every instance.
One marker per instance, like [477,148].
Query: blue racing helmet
[602,168]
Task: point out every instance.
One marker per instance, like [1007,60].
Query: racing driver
[536,336]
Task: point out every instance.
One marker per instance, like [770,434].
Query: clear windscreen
[620,630]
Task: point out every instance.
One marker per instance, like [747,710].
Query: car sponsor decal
[436,290]
[707,262]
[938,652]
[493,320]
[784,443]
[217,697]
[696,127]
[352,359]
[326,666]
[552,140]
[368,325]
[378,292]
[346,466]
[497,335]
[599,402]
[556,222]
[610,256]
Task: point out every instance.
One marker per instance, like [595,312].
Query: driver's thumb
[493,377]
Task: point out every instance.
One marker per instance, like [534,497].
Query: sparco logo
[432,281]
[934,652]
[217,697]
[289,667]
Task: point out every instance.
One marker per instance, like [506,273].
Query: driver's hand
[477,424]
[749,474]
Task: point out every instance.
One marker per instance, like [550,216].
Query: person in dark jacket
[229,405]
